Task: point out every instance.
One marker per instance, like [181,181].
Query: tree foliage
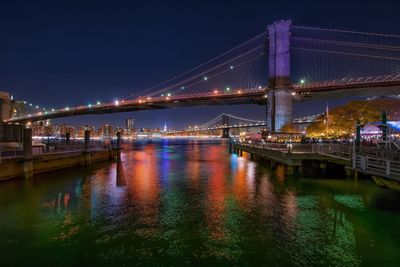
[342,120]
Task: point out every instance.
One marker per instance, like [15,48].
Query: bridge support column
[225,133]
[27,145]
[279,98]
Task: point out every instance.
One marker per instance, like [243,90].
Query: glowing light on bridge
[90,105]
[98,102]
[116,102]
[228,88]
[215,91]
[67,108]
[302,81]
[205,78]
[231,67]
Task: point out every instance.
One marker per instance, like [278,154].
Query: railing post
[354,156]
[387,167]
[27,146]
[362,162]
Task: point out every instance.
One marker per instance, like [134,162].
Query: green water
[177,203]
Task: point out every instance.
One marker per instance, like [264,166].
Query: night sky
[59,53]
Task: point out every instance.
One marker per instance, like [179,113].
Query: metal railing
[283,147]
[348,82]
[369,159]
[377,166]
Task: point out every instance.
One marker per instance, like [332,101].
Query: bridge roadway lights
[27,146]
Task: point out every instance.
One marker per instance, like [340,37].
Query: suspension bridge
[224,122]
[284,64]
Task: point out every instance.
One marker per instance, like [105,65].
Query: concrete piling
[86,153]
[27,146]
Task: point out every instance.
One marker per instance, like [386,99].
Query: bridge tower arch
[279,96]
[225,126]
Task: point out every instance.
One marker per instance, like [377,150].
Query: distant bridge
[225,122]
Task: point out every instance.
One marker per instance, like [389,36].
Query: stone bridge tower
[279,98]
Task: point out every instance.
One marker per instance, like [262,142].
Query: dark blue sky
[58,53]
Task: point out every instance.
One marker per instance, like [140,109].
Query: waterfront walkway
[371,160]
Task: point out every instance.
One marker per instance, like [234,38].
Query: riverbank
[16,167]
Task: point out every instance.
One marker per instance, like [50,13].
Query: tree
[342,120]
[289,128]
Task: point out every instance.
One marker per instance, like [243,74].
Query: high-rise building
[106,131]
[130,124]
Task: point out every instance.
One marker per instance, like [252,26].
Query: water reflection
[183,203]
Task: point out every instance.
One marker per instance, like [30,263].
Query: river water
[189,202]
